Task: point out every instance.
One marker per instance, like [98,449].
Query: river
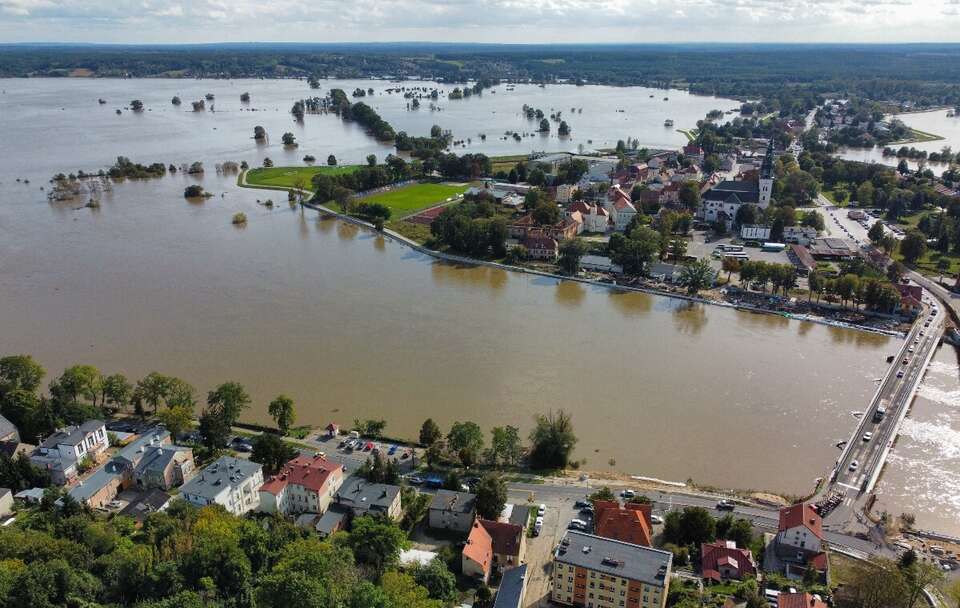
[351,325]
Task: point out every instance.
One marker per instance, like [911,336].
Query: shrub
[239,218]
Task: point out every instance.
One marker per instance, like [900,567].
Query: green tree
[376,542]
[228,401]
[20,372]
[913,246]
[546,214]
[466,440]
[677,248]
[571,251]
[875,234]
[689,195]
[76,382]
[506,444]
[402,590]
[491,496]
[332,160]
[552,440]
[436,578]
[283,414]
[635,251]
[177,419]
[271,451]
[429,432]
[697,275]
[116,391]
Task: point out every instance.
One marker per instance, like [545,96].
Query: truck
[881,410]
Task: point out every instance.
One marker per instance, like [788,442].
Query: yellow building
[596,572]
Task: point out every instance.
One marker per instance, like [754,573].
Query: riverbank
[458,259]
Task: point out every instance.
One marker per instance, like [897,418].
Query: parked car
[573,525]
[391,451]
[725,505]
[415,480]
[537,526]
[579,522]
[541,510]
[580,504]
[656,519]
[587,511]
[627,494]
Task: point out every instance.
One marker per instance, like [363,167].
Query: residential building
[601,572]
[541,247]
[911,298]
[599,263]
[492,544]
[6,502]
[831,249]
[451,510]
[755,232]
[798,544]
[61,453]
[801,259]
[799,600]
[333,520]
[722,560]
[720,203]
[164,467]
[362,497]
[800,235]
[306,484]
[8,431]
[230,482]
[566,228]
[693,152]
[152,501]
[629,523]
[565,192]
[513,587]
[119,472]
[620,208]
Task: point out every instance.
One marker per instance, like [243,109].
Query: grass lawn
[288,177]
[406,200]
[928,263]
[505,163]
[415,232]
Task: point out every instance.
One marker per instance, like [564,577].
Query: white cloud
[479,20]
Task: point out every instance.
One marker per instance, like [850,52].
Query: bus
[729,248]
[881,411]
[737,255]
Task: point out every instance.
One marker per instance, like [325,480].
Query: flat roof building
[230,482]
[603,572]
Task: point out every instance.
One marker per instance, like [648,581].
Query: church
[721,202]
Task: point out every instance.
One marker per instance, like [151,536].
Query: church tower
[766,177]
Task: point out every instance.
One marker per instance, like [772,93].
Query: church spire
[766,169]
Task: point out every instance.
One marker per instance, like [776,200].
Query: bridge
[856,472]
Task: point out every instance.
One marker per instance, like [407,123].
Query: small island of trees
[245,97]
[175,101]
[239,219]
[195,191]
[289,140]
[259,133]
[136,105]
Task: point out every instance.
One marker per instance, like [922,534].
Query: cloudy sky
[170,21]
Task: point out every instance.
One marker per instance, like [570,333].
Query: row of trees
[187,557]
[471,227]
[551,442]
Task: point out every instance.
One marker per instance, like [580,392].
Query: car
[910,350]
[415,480]
[900,374]
[368,447]
[573,525]
[921,332]
[579,522]
[114,504]
[854,465]
[581,504]
[342,444]
[541,510]
[391,451]
[627,494]
[906,360]
[656,519]
[405,455]
[537,526]
[725,505]
[867,436]
[588,511]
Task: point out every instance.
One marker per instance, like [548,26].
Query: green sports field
[289,177]
[406,200]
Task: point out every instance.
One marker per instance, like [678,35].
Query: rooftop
[311,472]
[358,492]
[615,557]
[224,472]
[151,502]
[72,435]
[448,500]
[801,514]
[511,588]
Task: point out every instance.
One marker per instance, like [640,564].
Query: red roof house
[630,523]
[492,544]
[306,484]
[722,560]
[799,600]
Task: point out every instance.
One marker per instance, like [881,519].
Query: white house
[800,235]
[620,208]
[61,452]
[306,484]
[565,192]
[800,528]
[230,482]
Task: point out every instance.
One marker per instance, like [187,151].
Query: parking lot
[704,242]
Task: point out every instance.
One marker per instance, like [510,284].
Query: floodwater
[934,121]
[350,325]
[922,475]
